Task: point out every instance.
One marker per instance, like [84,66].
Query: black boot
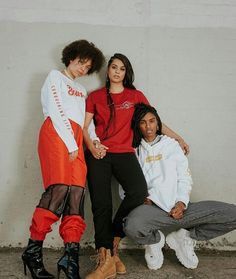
[33,259]
[69,262]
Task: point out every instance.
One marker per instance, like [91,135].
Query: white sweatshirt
[166,171]
[63,99]
[165,168]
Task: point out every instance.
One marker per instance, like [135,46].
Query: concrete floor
[212,265]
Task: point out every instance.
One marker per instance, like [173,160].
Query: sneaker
[183,244]
[153,253]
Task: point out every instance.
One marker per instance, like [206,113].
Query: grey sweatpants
[204,220]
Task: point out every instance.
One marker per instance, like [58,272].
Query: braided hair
[140,111]
[127,82]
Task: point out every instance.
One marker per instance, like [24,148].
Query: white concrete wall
[184,56]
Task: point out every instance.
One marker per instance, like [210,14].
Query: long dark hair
[140,111]
[127,82]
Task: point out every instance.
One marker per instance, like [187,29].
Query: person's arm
[96,148]
[166,130]
[52,100]
[184,184]
[170,133]
[91,131]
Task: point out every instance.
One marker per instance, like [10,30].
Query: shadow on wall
[26,188]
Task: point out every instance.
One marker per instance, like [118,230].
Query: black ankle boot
[69,262]
[33,259]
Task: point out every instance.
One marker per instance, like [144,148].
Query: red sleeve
[141,98]
[90,104]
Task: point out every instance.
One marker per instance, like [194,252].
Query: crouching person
[167,215]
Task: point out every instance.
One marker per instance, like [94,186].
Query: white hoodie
[165,168]
[166,171]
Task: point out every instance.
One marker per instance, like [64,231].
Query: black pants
[127,171]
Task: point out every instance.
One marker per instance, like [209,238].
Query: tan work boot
[120,267]
[106,268]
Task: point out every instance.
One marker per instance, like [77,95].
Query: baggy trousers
[57,201]
[205,220]
[127,171]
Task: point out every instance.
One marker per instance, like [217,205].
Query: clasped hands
[98,150]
